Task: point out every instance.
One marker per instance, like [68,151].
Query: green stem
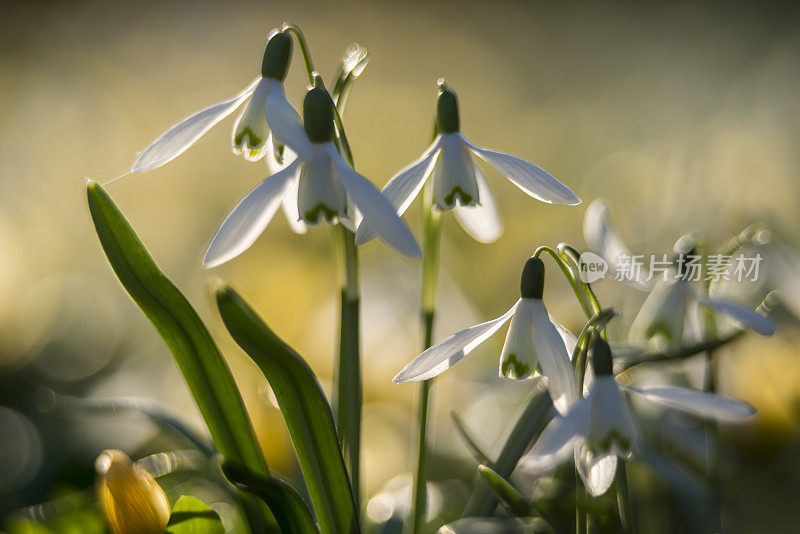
[348,396]
[432,231]
[623,498]
[569,275]
[301,40]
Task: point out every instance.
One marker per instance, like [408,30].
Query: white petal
[454,175]
[250,128]
[447,352]
[518,358]
[553,358]
[596,470]
[377,211]
[558,439]
[181,136]
[696,402]
[570,341]
[289,201]
[481,221]
[284,121]
[321,195]
[662,313]
[602,237]
[612,427]
[741,315]
[534,180]
[249,218]
[404,187]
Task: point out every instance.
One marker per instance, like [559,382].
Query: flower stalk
[432,231]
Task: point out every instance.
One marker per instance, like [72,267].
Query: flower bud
[602,361]
[532,283]
[318,115]
[132,500]
[447,120]
[277,55]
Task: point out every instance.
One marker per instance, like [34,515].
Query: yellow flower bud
[132,500]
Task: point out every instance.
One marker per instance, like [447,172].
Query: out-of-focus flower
[265,109]
[459,184]
[534,340]
[600,427]
[132,501]
[665,311]
[327,189]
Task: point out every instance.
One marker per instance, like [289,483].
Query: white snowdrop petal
[447,352]
[602,238]
[696,402]
[518,357]
[454,179]
[553,359]
[741,315]
[558,439]
[570,341]
[404,187]
[481,221]
[662,312]
[284,122]
[250,131]
[611,417]
[376,210]
[596,470]
[249,218]
[184,134]
[532,179]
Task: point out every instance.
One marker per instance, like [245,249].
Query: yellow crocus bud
[132,501]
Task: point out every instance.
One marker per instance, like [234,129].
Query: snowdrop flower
[320,186]
[132,501]
[601,427]
[265,109]
[458,184]
[534,341]
[666,309]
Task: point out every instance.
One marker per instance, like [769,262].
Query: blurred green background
[682,115]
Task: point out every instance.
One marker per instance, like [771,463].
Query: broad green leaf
[513,499]
[198,358]
[529,424]
[193,516]
[305,410]
[290,509]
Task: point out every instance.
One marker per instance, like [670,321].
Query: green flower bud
[602,361]
[532,282]
[277,55]
[318,115]
[446,110]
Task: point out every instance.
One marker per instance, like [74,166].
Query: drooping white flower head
[459,184]
[534,342]
[317,185]
[601,427]
[265,109]
[667,308]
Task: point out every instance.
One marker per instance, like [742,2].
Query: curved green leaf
[198,358]
[193,516]
[290,509]
[305,410]
[513,499]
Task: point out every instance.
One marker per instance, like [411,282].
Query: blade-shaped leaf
[198,358]
[511,497]
[192,516]
[291,510]
[305,410]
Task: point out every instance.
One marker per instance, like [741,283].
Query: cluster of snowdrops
[581,411]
